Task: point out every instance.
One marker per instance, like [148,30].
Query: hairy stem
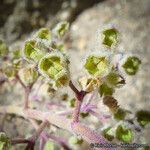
[77,128]
[39,130]
[26,97]
[79,98]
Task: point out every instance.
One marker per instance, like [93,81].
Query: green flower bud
[113,79]
[16,54]
[111,103]
[97,65]
[143,117]
[31,52]
[3,49]
[89,84]
[72,102]
[54,66]
[124,134]
[9,71]
[131,65]
[64,97]
[43,33]
[105,90]
[61,28]
[110,37]
[108,133]
[4,141]
[84,114]
[17,63]
[28,75]
[120,114]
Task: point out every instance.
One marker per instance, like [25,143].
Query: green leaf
[124,134]
[44,33]
[131,65]
[110,37]
[143,117]
[49,146]
[3,49]
[97,66]
[120,114]
[4,141]
[108,134]
[105,90]
[61,28]
[55,67]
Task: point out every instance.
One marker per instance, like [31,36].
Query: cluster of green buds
[42,50]
[101,66]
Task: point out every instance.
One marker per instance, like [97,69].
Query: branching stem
[79,98]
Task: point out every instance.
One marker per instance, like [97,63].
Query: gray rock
[19,18]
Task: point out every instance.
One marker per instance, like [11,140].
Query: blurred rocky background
[19,18]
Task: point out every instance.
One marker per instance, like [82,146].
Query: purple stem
[79,98]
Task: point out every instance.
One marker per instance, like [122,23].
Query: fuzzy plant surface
[43,59]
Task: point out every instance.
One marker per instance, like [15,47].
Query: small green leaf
[131,65]
[72,102]
[49,146]
[61,28]
[108,134]
[124,134]
[75,140]
[143,117]
[120,114]
[97,66]
[3,49]
[110,37]
[44,33]
[105,90]
[84,114]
